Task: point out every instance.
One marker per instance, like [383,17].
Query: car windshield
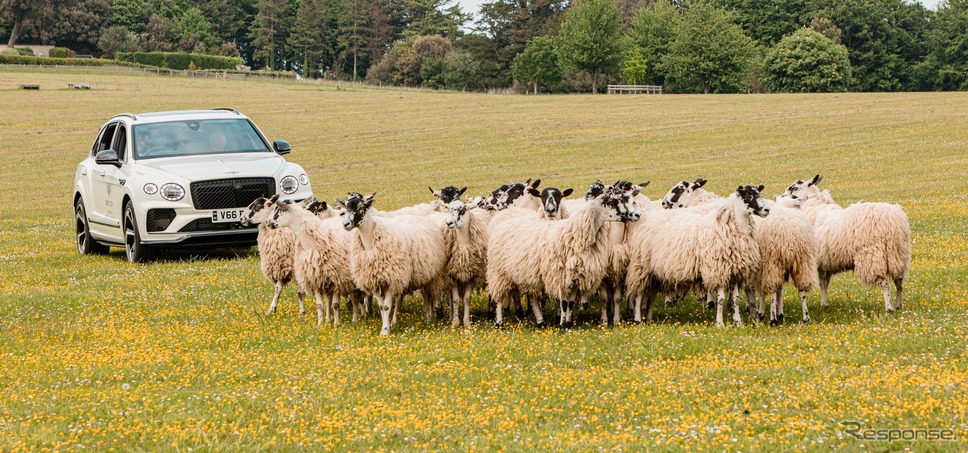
[195,137]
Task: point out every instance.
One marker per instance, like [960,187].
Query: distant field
[102,354]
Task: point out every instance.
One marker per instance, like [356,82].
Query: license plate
[227,215]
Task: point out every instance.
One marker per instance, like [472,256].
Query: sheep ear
[461,192]
[534,192]
[760,188]
[642,185]
[566,192]
[699,183]
[274,199]
[369,198]
[536,183]
[340,203]
[815,180]
[435,192]
[741,189]
[527,182]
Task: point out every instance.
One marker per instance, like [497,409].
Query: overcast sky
[474,6]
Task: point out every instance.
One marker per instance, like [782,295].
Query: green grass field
[178,354]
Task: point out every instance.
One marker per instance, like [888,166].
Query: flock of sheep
[614,244]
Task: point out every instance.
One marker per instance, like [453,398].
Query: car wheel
[133,248]
[85,243]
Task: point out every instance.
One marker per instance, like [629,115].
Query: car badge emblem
[238,186]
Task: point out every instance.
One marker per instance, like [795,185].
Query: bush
[25,51]
[180,60]
[9,52]
[61,52]
[806,61]
[6,58]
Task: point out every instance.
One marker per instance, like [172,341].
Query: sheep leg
[761,300]
[779,305]
[637,309]
[454,305]
[538,311]
[428,306]
[737,318]
[335,302]
[302,301]
[720,300]
[519,307]
[649,307]
[354,300]
[467,306]
[605,301]
[386,306]
[824,284]
[886,289]
[750,300]
[773,301]
[320,307]
[275,298]
[499,311]
[617,306]
[899,284]
[803,303]
[397,301]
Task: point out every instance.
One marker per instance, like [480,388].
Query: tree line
[687,46]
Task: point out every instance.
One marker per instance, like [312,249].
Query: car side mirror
[281,147]
[107,157]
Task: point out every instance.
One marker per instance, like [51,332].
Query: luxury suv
[178,179]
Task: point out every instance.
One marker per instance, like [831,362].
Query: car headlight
[172,192]
[151,189]
[289,185]
[303,179]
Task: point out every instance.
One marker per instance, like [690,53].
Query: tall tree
[353,37]
[946,64]
[78,25]
[27,13]
[884,39]
[157,36]
[311,37]
[270,31]
[710,52]
[538,64]
[768,21]
[807,62]
[652,31]
[589,39]
[503,30]
[193,32]
[131,14]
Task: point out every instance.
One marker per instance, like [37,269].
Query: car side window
[104,141]
[120,141]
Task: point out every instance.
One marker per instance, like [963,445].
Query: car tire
[86,245]
[135,251]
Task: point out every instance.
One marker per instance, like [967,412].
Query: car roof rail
[230,109]
[129,115]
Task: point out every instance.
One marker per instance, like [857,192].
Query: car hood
[199,168]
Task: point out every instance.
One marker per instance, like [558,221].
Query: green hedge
[9,59]
[26,51]
[180,61]
[61,52]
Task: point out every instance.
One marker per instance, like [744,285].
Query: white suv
[178,179]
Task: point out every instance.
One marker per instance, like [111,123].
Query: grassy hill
[100,353]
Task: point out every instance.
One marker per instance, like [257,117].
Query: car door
[107,182]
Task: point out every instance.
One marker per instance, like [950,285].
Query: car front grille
[230,193]
[207,225]
[159,219]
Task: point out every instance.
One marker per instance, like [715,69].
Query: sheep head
[803,189]
[753,198]
[355,209]
[256,212]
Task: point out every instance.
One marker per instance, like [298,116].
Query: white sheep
[466,240]
[566,259]
[321,263]
[391,256]
[276,251]
[680,248]
[873,239]
[788,248]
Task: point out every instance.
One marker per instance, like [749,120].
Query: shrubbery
[180,61]
[61,52]
[22,59]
